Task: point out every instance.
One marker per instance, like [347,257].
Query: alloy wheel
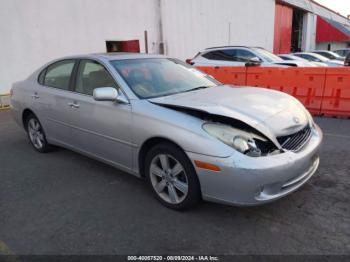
[168,178]
[36,134]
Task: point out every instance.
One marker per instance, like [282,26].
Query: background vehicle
[158,118]
[329,54]
[347,60]
[312,57]
[239,56]
[342,52]
[303,62]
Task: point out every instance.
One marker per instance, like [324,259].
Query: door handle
[35,96]
[74,104]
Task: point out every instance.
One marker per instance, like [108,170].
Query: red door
[283,29]
[130,46]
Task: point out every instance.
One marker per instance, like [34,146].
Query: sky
[340,6]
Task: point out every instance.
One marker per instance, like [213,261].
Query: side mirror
[109,94]
[255,61]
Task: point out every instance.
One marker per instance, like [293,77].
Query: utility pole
[160,29]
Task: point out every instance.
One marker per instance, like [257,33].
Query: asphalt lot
[65,203]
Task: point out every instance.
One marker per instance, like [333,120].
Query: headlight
[240,140]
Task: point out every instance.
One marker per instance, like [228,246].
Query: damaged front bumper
[245,180]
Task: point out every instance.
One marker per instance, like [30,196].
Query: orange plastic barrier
[305,84]
[336,98]
[323,91]
[227,75]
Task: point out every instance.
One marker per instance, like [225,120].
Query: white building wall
[190,26]
[33,32]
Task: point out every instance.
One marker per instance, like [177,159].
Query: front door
[100,128]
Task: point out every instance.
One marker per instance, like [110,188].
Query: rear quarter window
[41,77]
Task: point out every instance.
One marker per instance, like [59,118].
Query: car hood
[272,113]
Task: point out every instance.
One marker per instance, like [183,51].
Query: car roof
[306,53]
[311,54]
[233,46]
[115,56]
[289,55]
[322,51]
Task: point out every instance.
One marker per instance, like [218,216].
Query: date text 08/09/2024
[173,258]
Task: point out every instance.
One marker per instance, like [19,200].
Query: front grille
[295,141]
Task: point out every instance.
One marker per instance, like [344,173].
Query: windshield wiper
[196,88]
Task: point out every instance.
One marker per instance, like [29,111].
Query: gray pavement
[65,203]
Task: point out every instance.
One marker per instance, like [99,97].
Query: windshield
[298,58]
[319,57]
[155,77]
[268,56]
[329,55]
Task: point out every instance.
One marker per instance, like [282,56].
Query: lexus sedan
[158,118]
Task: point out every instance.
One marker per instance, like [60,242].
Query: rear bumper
[246,180]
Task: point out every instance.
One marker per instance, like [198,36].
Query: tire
[172,177]
[37,135]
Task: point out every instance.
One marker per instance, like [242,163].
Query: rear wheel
[36,134]
[172,177]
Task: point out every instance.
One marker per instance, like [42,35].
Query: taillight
[189,61]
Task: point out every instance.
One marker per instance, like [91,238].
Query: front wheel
[172,177]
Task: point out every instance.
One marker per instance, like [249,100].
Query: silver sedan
[190,137]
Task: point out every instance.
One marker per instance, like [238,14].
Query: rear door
[51,100]
[100,128]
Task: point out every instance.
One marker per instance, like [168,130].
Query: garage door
[283,29]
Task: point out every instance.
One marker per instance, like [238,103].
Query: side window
[58,74]
[237,55]
[242,55]
[307,57]
[223,55]
[312,58]
[209,55]
[41,77]
[92,75]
